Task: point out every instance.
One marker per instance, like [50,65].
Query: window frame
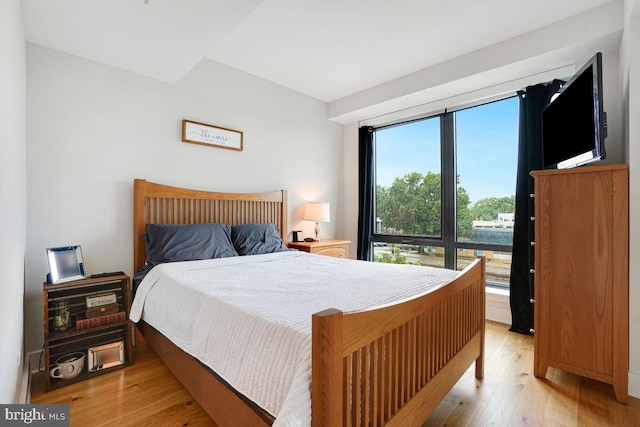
[448,173]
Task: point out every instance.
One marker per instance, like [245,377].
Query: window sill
[498,306]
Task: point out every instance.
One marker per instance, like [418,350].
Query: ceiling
[327,49]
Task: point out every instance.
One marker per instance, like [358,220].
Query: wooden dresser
[327,247]
[581,308]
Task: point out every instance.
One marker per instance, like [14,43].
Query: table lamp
[318,212]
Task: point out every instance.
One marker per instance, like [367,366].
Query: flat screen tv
[574,124]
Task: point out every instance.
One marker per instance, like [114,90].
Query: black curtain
[532,101]
[367,187]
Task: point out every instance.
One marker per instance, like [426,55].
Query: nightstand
[108,338]
[328,247]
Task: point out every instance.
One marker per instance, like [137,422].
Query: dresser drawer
[328,247]
[334,251]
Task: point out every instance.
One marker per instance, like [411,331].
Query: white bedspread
[249,318]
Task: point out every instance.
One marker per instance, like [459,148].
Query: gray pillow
[256,239]
[188,242]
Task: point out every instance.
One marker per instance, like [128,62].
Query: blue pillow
[256,239]
[187,242]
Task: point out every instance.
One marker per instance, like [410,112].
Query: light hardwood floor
[147,394]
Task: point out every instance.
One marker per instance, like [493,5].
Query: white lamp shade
[318,212]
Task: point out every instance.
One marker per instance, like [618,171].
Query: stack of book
[102,309]
[93,322]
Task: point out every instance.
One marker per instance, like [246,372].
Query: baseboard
[30,366]
[498,308]
[634,385]
[34,361]
[24,395]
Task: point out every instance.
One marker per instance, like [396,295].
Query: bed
[385,366]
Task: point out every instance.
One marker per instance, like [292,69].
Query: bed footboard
[393,365]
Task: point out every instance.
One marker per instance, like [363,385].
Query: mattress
[249,318]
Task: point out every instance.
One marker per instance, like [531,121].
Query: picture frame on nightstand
[65,264]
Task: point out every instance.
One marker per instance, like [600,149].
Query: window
[445,189]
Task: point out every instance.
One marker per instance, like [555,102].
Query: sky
[487,149]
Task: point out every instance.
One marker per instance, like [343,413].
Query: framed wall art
[214,136]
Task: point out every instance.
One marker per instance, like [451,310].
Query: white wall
[541,52]
[630,83]
[93,129]
[350,186]
[13,201]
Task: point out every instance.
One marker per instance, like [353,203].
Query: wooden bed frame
[386,367]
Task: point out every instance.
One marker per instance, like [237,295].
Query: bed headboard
[162,204]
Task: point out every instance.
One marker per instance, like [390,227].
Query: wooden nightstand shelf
[59,343]
[327,247]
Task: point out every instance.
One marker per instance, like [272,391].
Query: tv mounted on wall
[574,125]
